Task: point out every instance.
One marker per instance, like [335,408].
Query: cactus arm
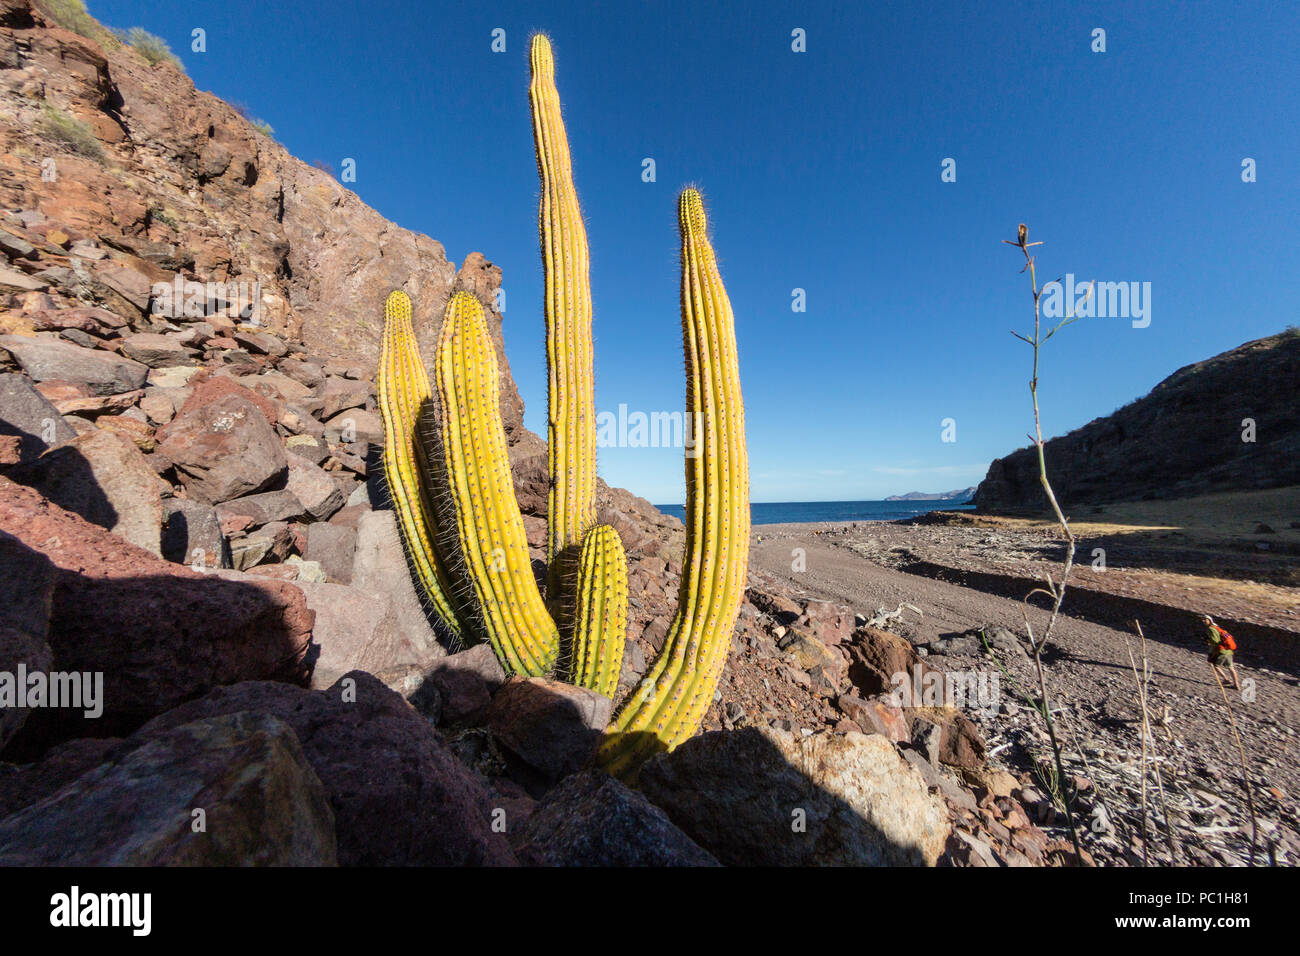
[492,546]
[403,393]
[670,703]
[570,399]
[600,625]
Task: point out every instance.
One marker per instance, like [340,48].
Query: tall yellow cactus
[600,625]
[455,497]
[492,546]
[570,393]
[671,700]
[403,396]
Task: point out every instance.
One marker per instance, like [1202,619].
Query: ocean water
[789,512]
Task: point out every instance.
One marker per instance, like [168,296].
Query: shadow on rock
[151,633]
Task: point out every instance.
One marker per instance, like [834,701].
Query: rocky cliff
[1229,423]
[174,181]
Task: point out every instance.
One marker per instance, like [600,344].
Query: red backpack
[1226,640]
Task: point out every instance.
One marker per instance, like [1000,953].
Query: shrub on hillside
[71,132]
[153,48]
[72,15]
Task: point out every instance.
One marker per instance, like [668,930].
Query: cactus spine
[600,625]
[492,545]
[570,399]
[670,702]
[403,395]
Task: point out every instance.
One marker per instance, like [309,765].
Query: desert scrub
[259,124]
[71,132]
[153,48]
[72,15]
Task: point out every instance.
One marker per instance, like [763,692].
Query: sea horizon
[811,512]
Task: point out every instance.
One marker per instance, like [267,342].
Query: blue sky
[822,171]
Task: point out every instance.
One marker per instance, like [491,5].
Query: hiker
[1222,644]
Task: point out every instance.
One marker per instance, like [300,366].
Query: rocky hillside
[101,146]
[190,509]
[1189,436]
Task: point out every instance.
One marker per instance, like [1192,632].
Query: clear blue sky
[822,172]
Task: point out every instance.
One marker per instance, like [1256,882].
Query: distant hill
[1186,437]
[960,496]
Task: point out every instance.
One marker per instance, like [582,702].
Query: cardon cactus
[403,396]
[671,701]
[491,545]
[570,391]
[451,483]
[600,625]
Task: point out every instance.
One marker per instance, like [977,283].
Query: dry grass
[1217,518]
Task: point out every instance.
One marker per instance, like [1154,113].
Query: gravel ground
[1091,682]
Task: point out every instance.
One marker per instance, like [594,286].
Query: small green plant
[259,124]
[71,132]
[153,48]
[72,15]
[159,214]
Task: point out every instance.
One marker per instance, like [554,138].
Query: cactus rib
[403,394]
[671,701]
[600,625]
[507,605]
[571,421]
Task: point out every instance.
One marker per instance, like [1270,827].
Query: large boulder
[550,726]
[104,373]
[28,414]
[458,689]
[879,661]
[223,449]
[768,797]
[232,790]
[159,633]
[157,351]
[104,478]
[353,631]
[593,820]
[400,796]
[380,568]
[334,546]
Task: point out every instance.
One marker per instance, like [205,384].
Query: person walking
[1222,646]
